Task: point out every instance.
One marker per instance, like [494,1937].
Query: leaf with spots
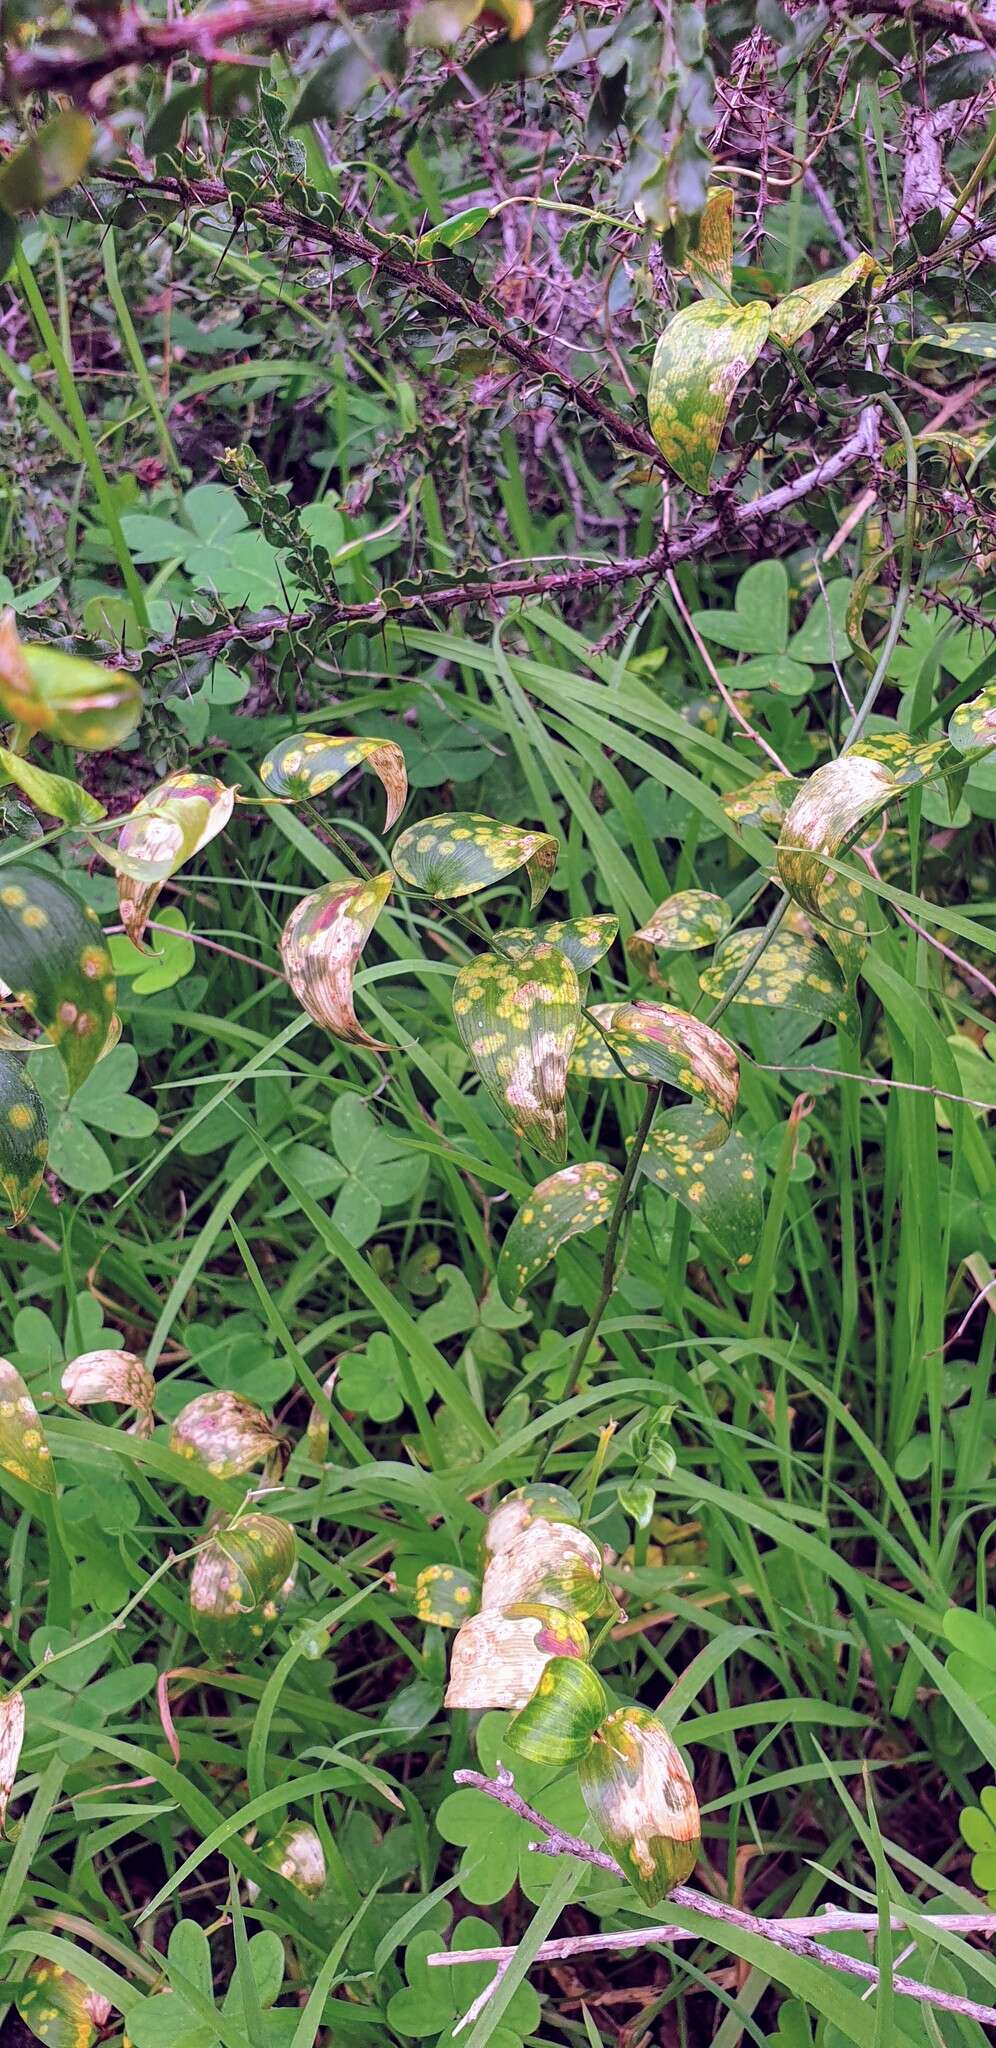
[456,855]
[445,1595]
[63,695]
[23,1138]
[54,795]
[223,1432]
[796,315]
[120,1377]
[640,1796]
[651,1042]
[58,2008]
[240,1585]
[832,809]
[765,801]
[909,762]
[557,1724]
[681,924]
[499,1658]
[55,960]
[719,1185]
[710,263]
[518,1510]
[974,725]
[23,1450]
[320,945]
[553,1564]
[11,1739]
[167,827]
[518,1020]
[794,972]
[576,1199]
[698,363]
[584,939]
[296,1853]
[308,763]
[967,338]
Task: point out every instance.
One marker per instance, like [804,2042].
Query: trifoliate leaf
[23,1450]
[117,1376]
[498,1658]
[23,1138]
[55,960]
[55,795]
[583,939]
[454,856]
[557,1724]
[640,1797]
[224,1432]
[310,762]
[698,363]
[794,316]
[11,1738]
[682,923]
[71,699]
[576,1199]
[445,1595]
[651,1042]
[167,827]
[320,946]
[719,1185]
[240,1584]
[518,1020]
[550,1564]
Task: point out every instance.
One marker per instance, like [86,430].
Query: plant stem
[643,1129]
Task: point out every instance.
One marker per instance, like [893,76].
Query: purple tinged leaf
[58,2008]
[223,1432]
[499,1658]
[576,1199]
[518,1020]
[457,854]
[117,1376]
[308,763]
[166,828]
[652,1042]
[320,946]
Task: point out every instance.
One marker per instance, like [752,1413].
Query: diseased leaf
[167,827]
[655,1043]
[498,1658]
[296,1853]
[54,957]
[23,1138]
[445,1595]
[967,338]
[719,1185]
[224,1432]
[518,1020]
[557,1724]
[710,263]
[765,801]
[23,1450]
[71,699]
[53,794]
[240,1584]
[550,1564]
[520,1509]
[117,1376]
[833,806]
[308,763]
[320,946]
[794,972]
[11,1739]
[909,762]
[698,363]
[58,2008]
[54,158]
[682,923]
[974,725]
[794,316]
[640,1797]
[576,1199]
[456,855]
[584,939]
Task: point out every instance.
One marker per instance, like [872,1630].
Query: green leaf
[64,696]
[434,2000]
[966,338]
[54,159]
[499,1658]
[167,827]
[759,622]
[655,1043]
[765,801]
[710,263]
[557,1724]
[23,1137]
[974,725]
[23,1450]
[58,2008]
[793,972]
[576,1199]
[682,923]
[822,637]
[320,946]
[308,763]
[518,1020]
[584,939]
[240,1584]
[170,957]
[794,316]
[640,1797]
[53,794]
[57,964]
[698,363]
[456,855]
[719,1185]
[445,1595]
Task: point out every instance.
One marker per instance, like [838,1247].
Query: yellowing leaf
[583,939]
[576,1199]
[53,955]
[974,725]
[793,316]
[120,1377]
[11,1738]
[320,946]
[832,807]
[710,263]
[518,1020]
[719,1185]
[240,1584]
[445,1595]
[23,1450]
[640,1797]
[520,1509]
[310,762]
[58,2008]
[454,856]
[23,1137]
[699,360]
[550,1564]
[556,1726]
[655,1043]
[683,922]
[56,156]
[438,24]
[794,972]
[498,1659]
[224,1432]
[167,827]
[63,695]
[53,794]
[765,801]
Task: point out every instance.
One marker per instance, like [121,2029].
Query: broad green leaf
[832,808]
[794,316]
[584,939]
[710,263]
[794,972]
[576,1199]
[223,1432]
[651,1042]
[53,794]
[11,1739]
[320,945]
[240,1584]
[978,1827]
[23,1450]
[56,156]
[518,1020]
[120,1377]
[63,695]
[445,1595]
[454,856]
[167,827]
[23,1138]
[765,801]
[55,960]
[640,1797]
[557,1724]
[822,637]
[498,1659]
[296,1852]
[552,1564]
[974,725]
[682,923]
[719,1185]
[698,363]
[758,623]
[58,2008]
[308,763]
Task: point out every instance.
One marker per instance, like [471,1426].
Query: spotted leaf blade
[557,1724]
[765,801]
[295,1852]
[63,695]
[308,763]
[974,725]
[796,315]
[585,940]
[640,1797]
[445,1595]
[710,263]
[456,855]
[23,1450]
[55,960]
[651,1042]
[518,1020]
[224,1432]
[11,1739]
[794,972]
[682,923]
[166,828]
[551,1563]
[320,945]
[240,1584]
[560,1207]
[23,1138]
[698,363]
[498,1659]
[539,1502]
[719,1185]
[119,1377]
[58,2008]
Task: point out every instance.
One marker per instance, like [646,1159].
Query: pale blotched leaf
[584,939]
[794,972]
[641,1798]
[63,695]
[974,725]
[710,263]
[310,762]
[11,1739]
[518,1020]
[765,801]
[651,1042]
[499,1658]
[23,1450]
[120,1377]
[456,855]
[320,946]
[520,1509]
[682,923]
[240,1584]
[576,1199]
[295,1852]
[698,363]
[54,958]
[166,828]
[23,1138]
[552,1564]
[223,1432]
[794,316]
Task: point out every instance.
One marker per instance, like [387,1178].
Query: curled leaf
[518,1020]
[499,1658]
[224,1432]
[794,316]
[296,1853]
[651,1042]
[640,1797]
[710,263]
[698,363]
[551,1564]
[54,158]
[557,1724]
[576,1199]
[794,972]
[454,856]
[320,946]
[683,922]
[118,1376]
[53,794]
[719,1185]
[974,725]
[308,763]
[58,2008]
[583,939]
[833,806]
[23,1450]
[63,695]
[56,962]
[11,1738]
[909,762]
[240,1584]
[445,1595]
[23,1138]
[167,827]
[765,801]
[520,1509]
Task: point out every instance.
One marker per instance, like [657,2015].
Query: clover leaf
[440,1996]
[103,1101]
[370,1382]
[496,1842]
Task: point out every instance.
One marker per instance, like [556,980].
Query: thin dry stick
[783,1933]
[727,696]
